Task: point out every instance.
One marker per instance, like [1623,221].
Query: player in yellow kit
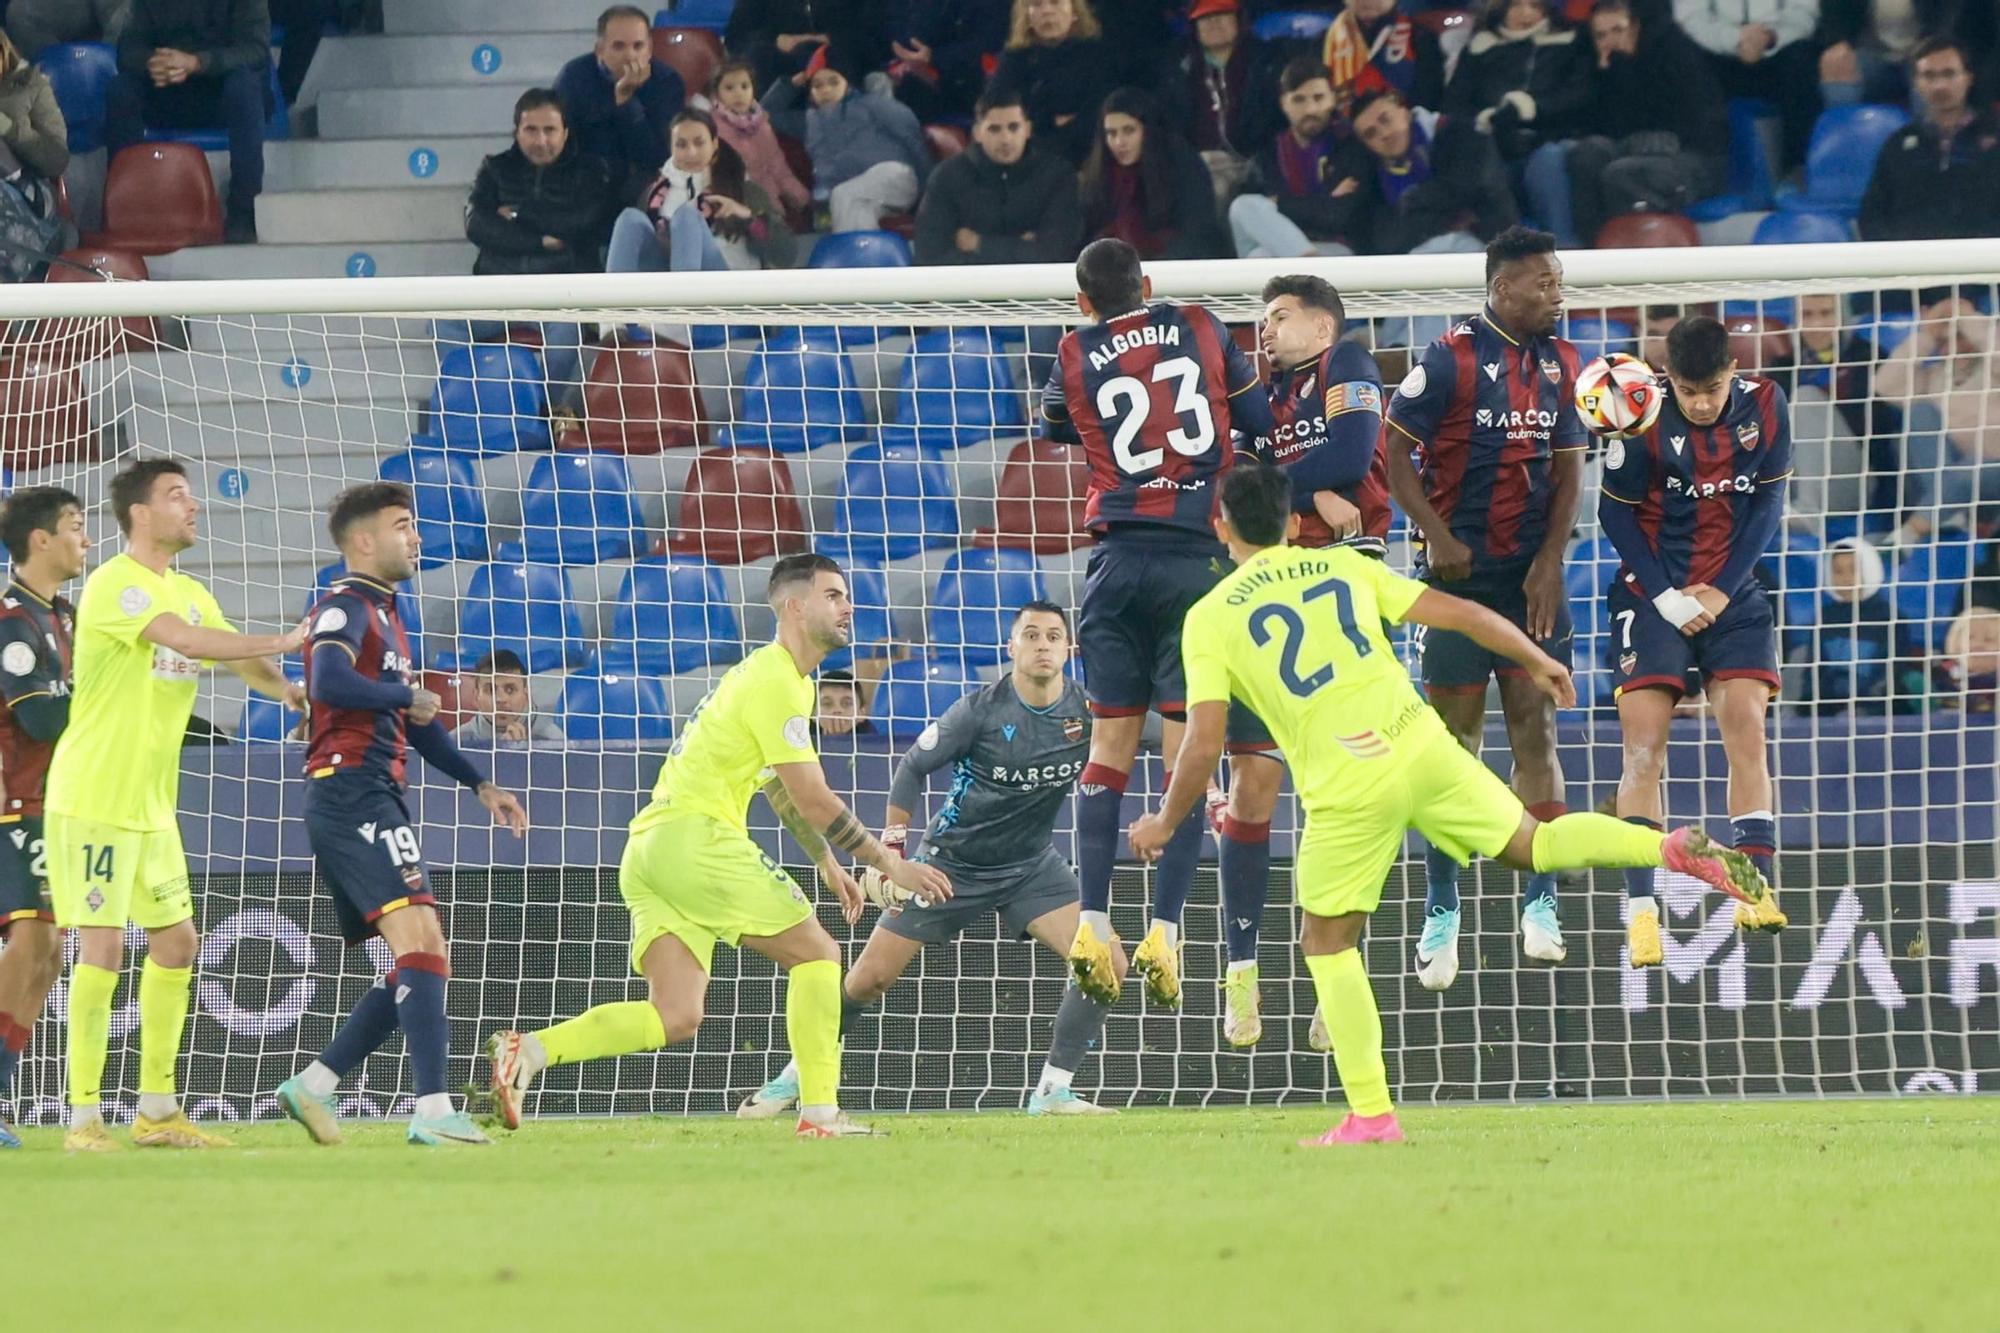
[144,631]
[692,877]
[1297,635]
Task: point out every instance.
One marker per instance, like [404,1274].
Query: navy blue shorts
[1018,894]
[1455,664]
[1648,653]
[1135,596]
[24,872]
[366,849]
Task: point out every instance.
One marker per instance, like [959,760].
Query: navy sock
[1639,879]
[1173,876]
[849,1011]
[1756,836]
[420,1008]
[13,1040]
[367,1027]
[1100,793]
[1440,881]
[1245,865]
[1542,885]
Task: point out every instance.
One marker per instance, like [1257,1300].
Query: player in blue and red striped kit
[1489,412]
[367,713]
[1152,390]
[1692,505]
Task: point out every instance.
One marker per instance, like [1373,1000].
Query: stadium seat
[616,707]
[710,14]
[527,608]
[1292,26]
[1886,330]
[671,615]
[861,249]
[945,141]
[215,138]
[1752,183]
[1043,490]
[80,75]
[694,53]
[409,604]
[798,393]
[451,507]
[972,609]
[490,398]
[1929,585]
[578,509]
[1801,228]
[1644,231]
[639,398]
[1595,336]
[44,412]
[914,693]
[895,500]
[1792,570]
[1840,158]
[1587,574]
[873,632]
[956,389]
[159,197]
[87,339]
[266,721]
[738,505]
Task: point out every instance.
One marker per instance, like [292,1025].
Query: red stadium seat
[88,339]
[1642,231]
[738,505]
[693,53]
[946,141]
[1041,497]
[445,685]
[1759,342]
[639,399]
[158,198]
[44,416]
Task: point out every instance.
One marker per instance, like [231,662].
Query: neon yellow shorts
[701,881]
[102,875]
[1443,792]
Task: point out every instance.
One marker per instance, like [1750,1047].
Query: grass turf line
[1824,1215]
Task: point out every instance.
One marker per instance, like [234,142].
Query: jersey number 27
[1294,628]
[1128,401]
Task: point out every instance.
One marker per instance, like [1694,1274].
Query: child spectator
[1146,187]
[867,149]
[1852,646]
[1967,672]
[700,212]
[744,126]
[841,711]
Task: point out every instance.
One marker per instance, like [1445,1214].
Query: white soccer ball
[884,892]
[1618,396]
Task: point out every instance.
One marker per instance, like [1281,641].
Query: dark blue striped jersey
[364,618]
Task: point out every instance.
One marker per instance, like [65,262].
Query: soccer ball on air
[1617,396]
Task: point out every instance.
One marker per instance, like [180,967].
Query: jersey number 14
[1293,626]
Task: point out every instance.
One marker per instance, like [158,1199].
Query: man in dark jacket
[1004,200]
[193,65]
[1299,196]
[779,36]
[619,100]
[1217,88]
[1939,177]
[1430,184]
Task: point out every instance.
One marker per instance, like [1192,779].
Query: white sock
[1099,922]
[1645,904]
[319,1080]
[534,1056]
[1053,1080]
[434,1105]
[819,1115]
[158,1105]
[79,1116]
[1173,929]
[1243,966]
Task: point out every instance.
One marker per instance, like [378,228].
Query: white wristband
[894,836]
[1677,607]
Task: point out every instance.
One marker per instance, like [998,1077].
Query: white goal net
[608,467]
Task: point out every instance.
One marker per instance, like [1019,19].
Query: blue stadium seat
[1887,330]
[616,707]
[266,721]
[672,614]
[277,123]
[1783,309]
[1929,586]
[409,603]
[915,692]
[578,509]
[1595,336]
[1292,26]
[1587,574]
[861,249]
[1846,140]
[1792,568]
[873,632]
[80,74]
[956,389]
[798,394]
[490,398]
[528,608]
[972,609]
[710,14]
[1801,228]
[1751,180]
[895,500]
[451,507]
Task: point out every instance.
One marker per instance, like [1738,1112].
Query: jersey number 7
[1295,629]
[1128,400]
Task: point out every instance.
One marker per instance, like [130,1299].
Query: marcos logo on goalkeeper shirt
[1038,775]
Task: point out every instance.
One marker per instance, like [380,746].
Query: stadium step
[519,60]
[398,259]
[362,164]
[399,112]
[387,375]
[391,213]
[285,439]
[489,16]
[279,338]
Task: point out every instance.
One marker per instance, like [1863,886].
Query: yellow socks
[163,1010]
[1585,839]
[812,1022]
[609,1029]
[1355,1025]
[90,990]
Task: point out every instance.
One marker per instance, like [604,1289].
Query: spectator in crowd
[841,711]
[1004,200]
[1828,388]
[1302,191]
[1376,34]
[501,711]
[1522,80]
[1061,69]
[1866,45]
[1144,185]
[197,65]
[303,21]
[618,99]
[745,126]
[1967,672]
[1655,323]
[1655,130]
[867,149]
[1846,658]
[1219,88]
[1946,378]
[701,212]
[34,152]
[1985,589]
[1433,184]
[36,25]
[941,50]
[1763,48]
[1939,177]
[778,37]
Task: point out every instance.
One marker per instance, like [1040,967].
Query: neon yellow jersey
[758,715]
[119,760]
[1297,635]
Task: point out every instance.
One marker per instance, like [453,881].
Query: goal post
[605,490]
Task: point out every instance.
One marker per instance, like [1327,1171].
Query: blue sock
[1173,875]
[1245,866]
[1440,881]
[1756,836]
[10,1060]
[1542,885]
[366,1028]
[1639,879]
[420,1007]
[1100,792]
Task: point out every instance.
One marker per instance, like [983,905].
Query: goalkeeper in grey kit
[1015,748]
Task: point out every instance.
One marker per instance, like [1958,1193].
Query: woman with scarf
[1145,186]
[700,212]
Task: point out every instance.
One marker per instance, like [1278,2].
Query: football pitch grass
[1770,1215]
